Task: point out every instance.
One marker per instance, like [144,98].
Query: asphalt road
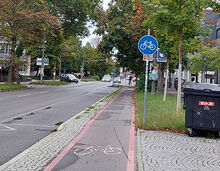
[27,116]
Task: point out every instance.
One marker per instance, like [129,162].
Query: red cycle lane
[105,143]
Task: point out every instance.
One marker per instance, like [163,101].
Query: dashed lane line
[24,95]
[47,126]
[7,128]
[38,109]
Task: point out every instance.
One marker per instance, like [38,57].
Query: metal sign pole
[145,94]
[42,62]
[145,90]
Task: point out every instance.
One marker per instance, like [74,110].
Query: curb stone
[41,153]
[140,165]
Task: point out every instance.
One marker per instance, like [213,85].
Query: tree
[74,15]
[207,59]
[121,34]
[96,62]
[23,20]
[72,55]
[180,19]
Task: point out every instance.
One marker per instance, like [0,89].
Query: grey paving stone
[170,151]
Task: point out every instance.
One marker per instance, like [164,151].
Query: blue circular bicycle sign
[148,45]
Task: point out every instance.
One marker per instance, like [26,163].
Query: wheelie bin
[202,107]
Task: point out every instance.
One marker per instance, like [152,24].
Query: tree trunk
[11,65]
[153,88]
[170,80]
[15,75]
[179,70]
[166,82]
[160,78]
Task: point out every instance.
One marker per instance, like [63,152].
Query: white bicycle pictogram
[146,45]
[107,150]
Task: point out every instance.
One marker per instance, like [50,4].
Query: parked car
[68,78]
[106,78]
[117,80]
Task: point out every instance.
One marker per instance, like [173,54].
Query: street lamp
[42,62]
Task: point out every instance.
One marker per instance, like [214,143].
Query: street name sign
[39,61]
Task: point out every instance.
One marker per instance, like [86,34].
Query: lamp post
[42,62]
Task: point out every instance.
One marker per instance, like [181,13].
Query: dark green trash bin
[202,107]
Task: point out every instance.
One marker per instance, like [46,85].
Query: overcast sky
[87,39]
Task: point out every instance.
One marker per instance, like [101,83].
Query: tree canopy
[74,14]
[23,21]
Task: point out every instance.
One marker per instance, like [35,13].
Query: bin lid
[202,86]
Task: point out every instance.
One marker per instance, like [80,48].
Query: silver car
[107,78]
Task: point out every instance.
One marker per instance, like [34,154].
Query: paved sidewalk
[157,151]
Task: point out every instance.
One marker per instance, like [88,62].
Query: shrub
[140,86]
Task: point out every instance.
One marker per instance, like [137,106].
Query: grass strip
[7,87]
[88,79]
[160,115]
[111,96]
[55,83]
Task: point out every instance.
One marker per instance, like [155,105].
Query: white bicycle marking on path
[112,150]
[106,150]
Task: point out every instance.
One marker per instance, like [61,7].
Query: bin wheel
[191,132]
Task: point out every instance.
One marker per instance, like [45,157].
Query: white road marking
[34,125]
[107,150]
[112,150]
[43,92]
[1,99]
[8,128]
[24,95]
[9,119]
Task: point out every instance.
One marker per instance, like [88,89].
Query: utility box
[202,107]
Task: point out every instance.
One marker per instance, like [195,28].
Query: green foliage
[97,78]
[140,86]
[96,62]
[55,83]
[74,14]
[7,87]
[207,59]
[122,34]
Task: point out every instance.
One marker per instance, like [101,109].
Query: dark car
[69,78]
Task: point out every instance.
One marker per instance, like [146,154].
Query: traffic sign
[39,61]
[148,45]
[161,57]
[147,57]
